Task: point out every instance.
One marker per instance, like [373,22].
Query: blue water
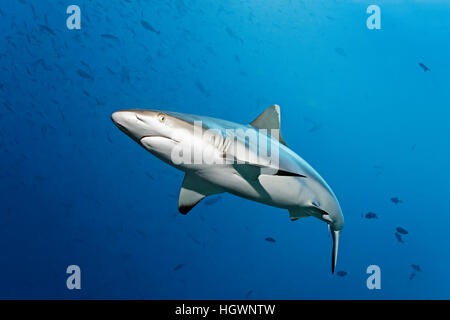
[355,104]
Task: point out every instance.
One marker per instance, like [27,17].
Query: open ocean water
[355,103]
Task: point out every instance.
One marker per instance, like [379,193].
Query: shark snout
[135,123]
[123,119]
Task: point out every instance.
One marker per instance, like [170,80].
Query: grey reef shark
[250,161]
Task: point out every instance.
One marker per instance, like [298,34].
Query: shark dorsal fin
[269,119]
[193,190]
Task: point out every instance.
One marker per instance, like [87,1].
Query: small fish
[270,239]
[233,35]
[341,273]
[201,87]
[110,70]
[399,237]
[424,67]
[149,27]
[401,230]
[412,275]
[212,200]
[340,52]
[315,127]
[248,294]
[109,36]
[85,64]
[178,267]
[396,200]
[196,241]
[416,267]
[99,102]
[84,74]
[109,138]
[371,215]
[47,29]
[125,75]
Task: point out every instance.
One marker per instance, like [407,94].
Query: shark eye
[161,117]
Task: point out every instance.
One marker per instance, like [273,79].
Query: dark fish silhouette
[196,241]
[109,138]
[412,275]
[416,267]
[212,200]
[109,36]
[424,67]
[396,200]
[85,64]
[270,239]
[401,230]
[340,52]
[178,267]
[248,294]
[43,64]
[315,127]
[149,27]
[341,273]
[84,74]
[233,35]
[110,70]
[47,29]
[371,215]
[125,75]
[201,87]
[399,237]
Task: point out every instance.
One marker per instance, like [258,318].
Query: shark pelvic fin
[269,119]
[296,214]
[193,190]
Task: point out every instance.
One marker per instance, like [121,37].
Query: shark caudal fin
[334,253]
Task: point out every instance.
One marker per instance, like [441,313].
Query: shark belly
[276,191]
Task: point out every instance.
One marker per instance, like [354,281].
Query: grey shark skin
[290,184]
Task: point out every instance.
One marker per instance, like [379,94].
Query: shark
[251,161]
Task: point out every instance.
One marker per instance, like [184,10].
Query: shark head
[138,124]
[154,130]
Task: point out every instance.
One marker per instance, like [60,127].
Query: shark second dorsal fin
[193,190]
[269,119]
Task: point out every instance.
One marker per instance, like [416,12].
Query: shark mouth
[159,137]
[157,143]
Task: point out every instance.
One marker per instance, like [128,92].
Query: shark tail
[334,254]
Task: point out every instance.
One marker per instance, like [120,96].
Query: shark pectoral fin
[270,119]
[193,190]
[296,214]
